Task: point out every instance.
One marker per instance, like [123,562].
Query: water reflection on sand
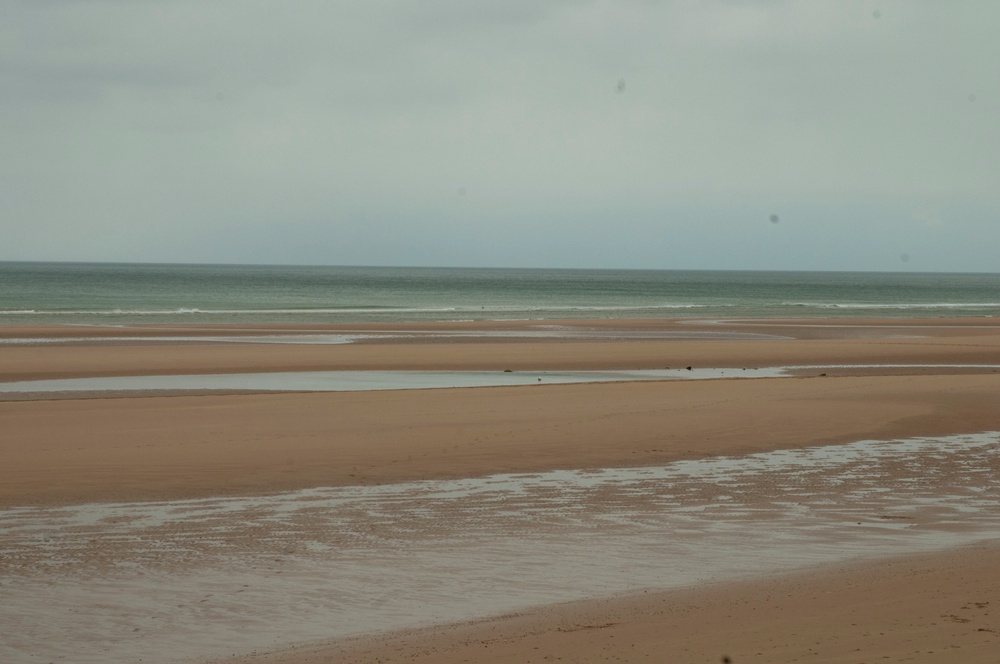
[163,581]
[348,381]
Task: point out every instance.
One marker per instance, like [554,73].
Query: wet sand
[565,345]
[66,452]
[209,576]
[939,608]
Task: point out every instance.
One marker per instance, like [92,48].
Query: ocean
[121,294]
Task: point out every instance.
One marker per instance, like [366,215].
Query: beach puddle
[194,579]
[353,381]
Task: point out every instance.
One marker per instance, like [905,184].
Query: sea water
[117,294]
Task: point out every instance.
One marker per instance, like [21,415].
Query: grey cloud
[134,127]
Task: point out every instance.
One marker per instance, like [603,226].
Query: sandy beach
[864,381]
[939,608]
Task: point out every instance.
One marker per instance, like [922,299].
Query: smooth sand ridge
[65,451]
[77,450]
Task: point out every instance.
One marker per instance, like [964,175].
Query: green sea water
[90,293]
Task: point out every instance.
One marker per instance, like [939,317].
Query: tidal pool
[335,381]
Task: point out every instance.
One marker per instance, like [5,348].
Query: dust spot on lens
[905,258]
[775,218]
[876,14]
[621,85]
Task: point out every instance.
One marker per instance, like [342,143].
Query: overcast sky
[627,133]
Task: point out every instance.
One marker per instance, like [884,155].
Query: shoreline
[70,451]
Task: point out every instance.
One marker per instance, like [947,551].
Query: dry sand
[66,451]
